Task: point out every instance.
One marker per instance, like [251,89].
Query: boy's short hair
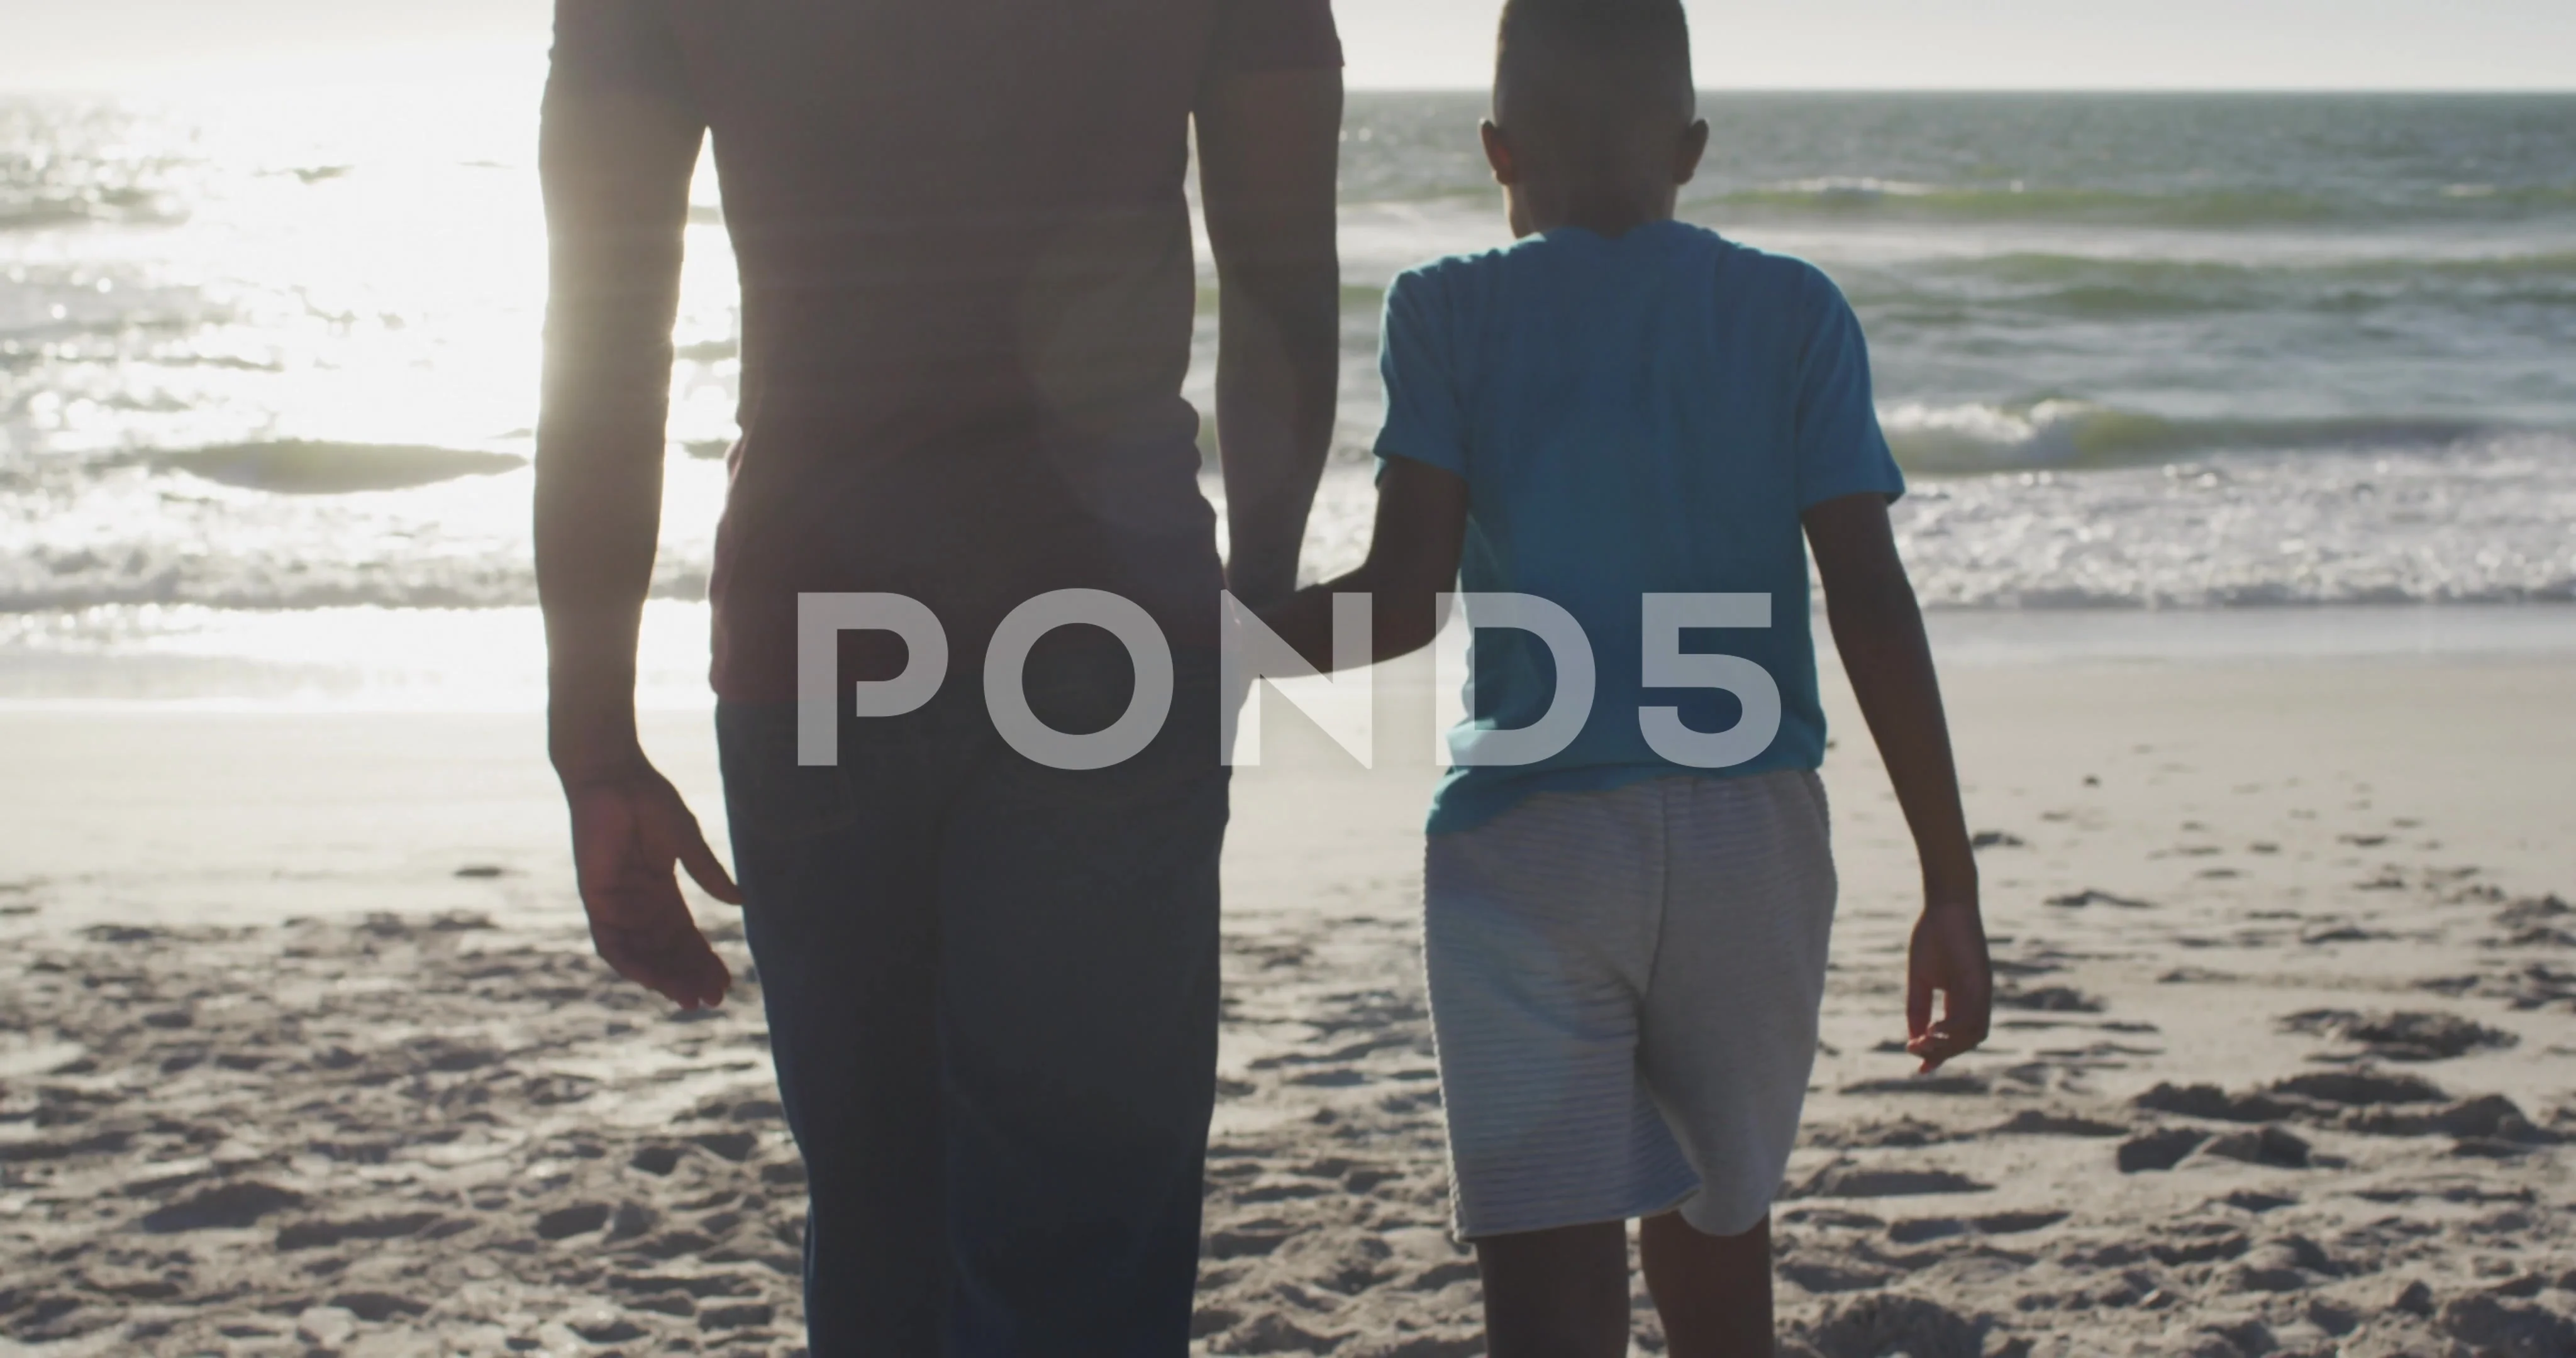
[1593,56]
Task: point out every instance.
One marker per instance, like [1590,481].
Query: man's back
[968,301]
[968,289]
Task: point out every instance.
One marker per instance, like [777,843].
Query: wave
[45,211]
[2063,433]
[309,467]
[1360,301]
[2477,522]
[2104,288]
[2041,267]
[2206,208]
[2482,519]
[2115,287]
[264,586]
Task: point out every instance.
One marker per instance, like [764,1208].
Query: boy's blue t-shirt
[1644,415]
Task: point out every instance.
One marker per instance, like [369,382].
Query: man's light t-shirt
[1649,414]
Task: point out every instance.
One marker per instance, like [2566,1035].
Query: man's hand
[1948,956]
[1269,150]
[628,831]
[619,144]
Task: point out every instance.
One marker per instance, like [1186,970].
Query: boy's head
[1594,118]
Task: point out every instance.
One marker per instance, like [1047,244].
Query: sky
[1810,44]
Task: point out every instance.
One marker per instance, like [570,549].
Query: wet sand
[2287,1062]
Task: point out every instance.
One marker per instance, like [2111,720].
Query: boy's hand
[1412,561]
[1948,955]
[1878,627]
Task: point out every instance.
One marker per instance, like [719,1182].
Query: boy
[1626,938]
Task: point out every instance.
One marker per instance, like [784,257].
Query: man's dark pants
[992,991]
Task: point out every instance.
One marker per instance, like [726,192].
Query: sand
[300,1050]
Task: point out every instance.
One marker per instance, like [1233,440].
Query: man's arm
[1269,153]
[616,158]
[1412,561]
[1879,630]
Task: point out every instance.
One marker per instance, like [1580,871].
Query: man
[968,295]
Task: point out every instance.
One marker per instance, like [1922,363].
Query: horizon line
[2518,91]
[111,88]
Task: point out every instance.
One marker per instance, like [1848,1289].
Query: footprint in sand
[2077,900]
[224,1207]
[1886,1323]
[1842,1179]
[1903,1132]
[1948,1082]
[2051,999]
[2263,1146]
[2537,922]
[578,1219]
[2036,1122]
[1999,1223]
[2340,931]
[2408,1035]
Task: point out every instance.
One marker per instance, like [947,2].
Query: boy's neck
[1606,210]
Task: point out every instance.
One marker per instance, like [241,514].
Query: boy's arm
[1879,630]
[1269,151]
[1412,561]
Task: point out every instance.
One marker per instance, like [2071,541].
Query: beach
[302,1049]
[2241,436]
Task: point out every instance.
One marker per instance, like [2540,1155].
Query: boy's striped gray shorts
[1625,987]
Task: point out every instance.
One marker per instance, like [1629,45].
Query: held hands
[629,827]
[1948,956]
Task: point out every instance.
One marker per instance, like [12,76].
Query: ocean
[268,365]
